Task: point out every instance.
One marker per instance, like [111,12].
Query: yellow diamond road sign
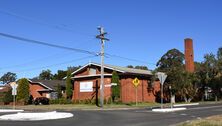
[136,82]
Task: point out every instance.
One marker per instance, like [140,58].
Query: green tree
[188,86]
[45,75]
[138,67]
[8,97]
[173,59]
[59,91]
[209,74]
[182,83]
[23,90]
[59,75]
[73,68]
[171,63]
[69,89]
[210,64]
[212,74]
[141,67]
[130,66]
[219,54]
[219,60]
[8,77]
[201,74]
[115,88]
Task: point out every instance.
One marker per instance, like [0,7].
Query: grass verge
[209,121]
[69,107]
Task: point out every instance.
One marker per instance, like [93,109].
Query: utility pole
[101,36]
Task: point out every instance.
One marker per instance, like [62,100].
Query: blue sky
[137,29]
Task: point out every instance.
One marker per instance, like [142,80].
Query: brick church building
[87,83]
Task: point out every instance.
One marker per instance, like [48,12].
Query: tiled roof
[49,84]
[130,70]
[118,68]
[4,88]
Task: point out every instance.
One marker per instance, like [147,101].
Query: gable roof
[4,88]
[48,84]
[116,68]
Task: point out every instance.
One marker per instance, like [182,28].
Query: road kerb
[168,109]
[10,110]
[191,104]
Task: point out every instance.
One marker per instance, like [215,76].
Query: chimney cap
[188,39]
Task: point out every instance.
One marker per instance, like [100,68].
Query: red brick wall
[144,93]
[127,91]
[147,91]
[34,90]
[5,88]
[77,95]
[189,55]
[86,71]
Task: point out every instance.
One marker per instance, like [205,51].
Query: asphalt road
[140,117]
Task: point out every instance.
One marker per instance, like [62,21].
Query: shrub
[41,101]
[115,88]
[8,97]
[109,100]
[61,101]
[59,91]
[69,88]
[76,101]
[23,90]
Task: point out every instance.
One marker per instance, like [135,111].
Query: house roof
[48,84]
[4,88]
[95,75]
[117,68]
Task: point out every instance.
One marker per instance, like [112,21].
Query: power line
[58,27]
[53,65]
[32,61]
[47,44]
[72,49]
[129,59]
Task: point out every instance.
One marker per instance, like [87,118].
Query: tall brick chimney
[189,55]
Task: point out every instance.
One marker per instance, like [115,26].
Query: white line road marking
[199,118]
[183,114]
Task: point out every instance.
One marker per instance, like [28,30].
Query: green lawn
[68,107]
[209,121]
[91,106]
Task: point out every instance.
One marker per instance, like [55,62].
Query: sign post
[136,82]
[14,92]
[162,77]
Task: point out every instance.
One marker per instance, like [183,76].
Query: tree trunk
[215,97]
[173,99]
[185,99]
[189,100]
